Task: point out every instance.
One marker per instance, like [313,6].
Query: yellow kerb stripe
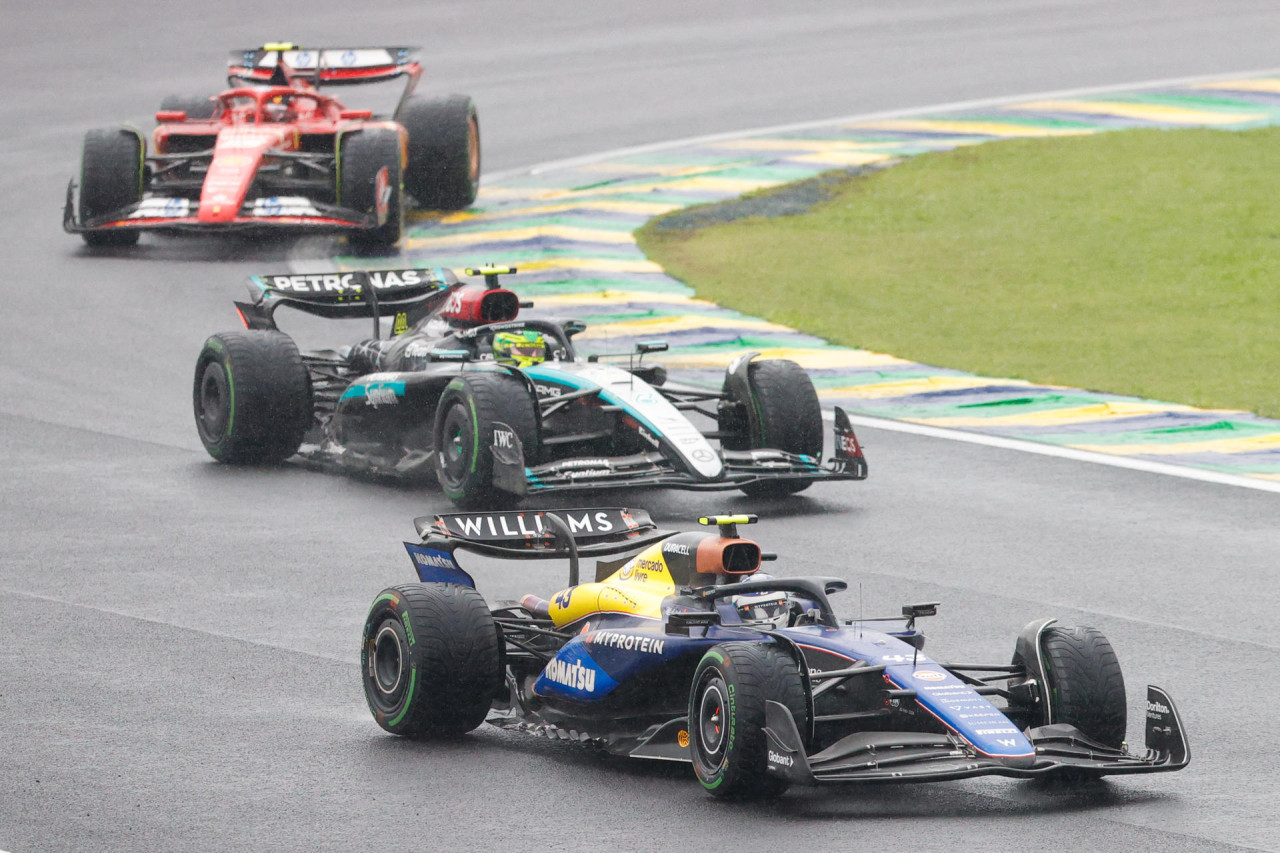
[1270,441]
[1265,84]
[516,235]
[974,128]
[669,325]
[1148,112]
[813,359]
[1067,416]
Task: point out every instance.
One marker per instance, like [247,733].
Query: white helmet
[773,608]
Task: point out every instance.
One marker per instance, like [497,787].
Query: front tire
[1084,685]
[110,180]
[372,182]
[444,151]
[727,740]
[252,397]
[430,660]
[779,410]
[469,408]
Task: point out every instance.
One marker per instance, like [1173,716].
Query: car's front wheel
[468,420]
[777,409]
[372,182]
[1084,685]
[727,740]
[110,180]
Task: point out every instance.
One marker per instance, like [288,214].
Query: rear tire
[469,407]
[444,151]
[197,107]
[430,660]
[787,416]
[727,741]
[365,188]
[252,397]
[110,179]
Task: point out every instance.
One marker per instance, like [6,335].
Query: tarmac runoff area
[568,227]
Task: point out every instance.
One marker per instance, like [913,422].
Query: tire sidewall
[214,354]
[714,767]
[389,611]
[458,397]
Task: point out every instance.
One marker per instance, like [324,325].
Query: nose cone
[236,156]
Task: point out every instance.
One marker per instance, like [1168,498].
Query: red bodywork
[249,126]
[270,153]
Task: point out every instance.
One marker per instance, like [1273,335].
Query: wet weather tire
[365,187]
[197,107]
[1085,685]
[430,659]
[110,179]
[780,411]
[252,397]
[464,432]
[727,740]
[444,151]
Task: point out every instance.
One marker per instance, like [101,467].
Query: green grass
[1139,262]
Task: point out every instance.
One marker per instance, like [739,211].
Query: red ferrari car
[272,152]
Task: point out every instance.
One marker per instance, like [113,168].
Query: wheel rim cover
[711,719]
[388,662]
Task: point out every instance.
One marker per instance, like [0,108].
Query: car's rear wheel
[727,740]
[372,182]
[778,409]
[430,659]
[110,179]
[470,408]
[196,107]
[252,397]
[444,151]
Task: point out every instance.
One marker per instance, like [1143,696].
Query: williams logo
[572,675]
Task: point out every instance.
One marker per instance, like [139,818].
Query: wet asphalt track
[178,641]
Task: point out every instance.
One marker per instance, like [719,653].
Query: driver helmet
[275,109]
[524,348]
[771,607]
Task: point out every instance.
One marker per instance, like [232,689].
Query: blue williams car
[681,649]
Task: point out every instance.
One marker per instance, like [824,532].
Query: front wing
[175,214]
[1060,749]
[741,468]
[656,469]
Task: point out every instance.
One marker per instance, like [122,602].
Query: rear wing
[360,293]
[283,63]
[530,535]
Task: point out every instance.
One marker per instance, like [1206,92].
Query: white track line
[980,103]
[919,429]
[1063,452]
